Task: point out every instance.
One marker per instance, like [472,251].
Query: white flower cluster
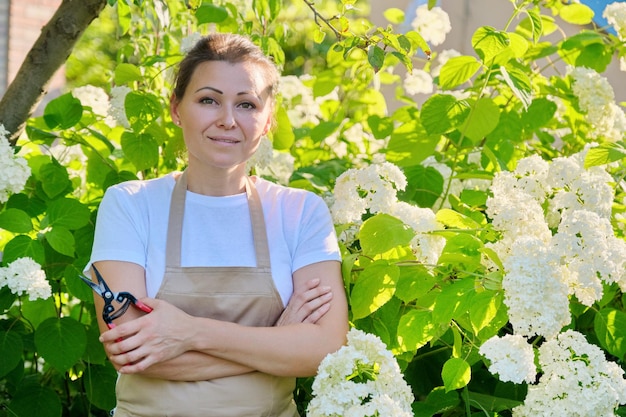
[433,25]
[567,249]
[302,107]
[576,380]
[417,82]
[340,389]
[615,14]
[25,276]
[597,99]
[262,157]
[15,171]
[117,109]
[512,358]
[94,97]
[374,189]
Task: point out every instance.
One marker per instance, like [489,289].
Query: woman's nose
[226,118]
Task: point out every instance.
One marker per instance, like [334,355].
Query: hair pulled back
[228,47]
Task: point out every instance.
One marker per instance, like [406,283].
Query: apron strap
[175,223]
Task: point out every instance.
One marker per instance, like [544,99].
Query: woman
[220,255]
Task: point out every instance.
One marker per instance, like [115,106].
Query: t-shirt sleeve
[317,240]
[120,228]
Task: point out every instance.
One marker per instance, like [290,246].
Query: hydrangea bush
[481,222]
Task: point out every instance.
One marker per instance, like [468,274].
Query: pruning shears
[122,300]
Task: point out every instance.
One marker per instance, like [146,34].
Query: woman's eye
[247,106]
[207,100]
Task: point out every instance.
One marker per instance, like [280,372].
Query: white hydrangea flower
[512,358]
[94,97]
[262,157]
[302,107]
[426,246]
[337,393]
[591,254]
[534,291]
[576,380]
[575,187]
[615,14]
[25,276]
[433,25]
[75,160]
[15,170]
[188,42]
[597,99]
[117,109]
[373,188]
[281,168]
[417,82]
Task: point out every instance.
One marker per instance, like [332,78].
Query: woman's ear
[174,110]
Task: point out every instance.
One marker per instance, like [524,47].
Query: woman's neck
[216,182]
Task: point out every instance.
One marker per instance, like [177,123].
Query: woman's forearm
[195,366]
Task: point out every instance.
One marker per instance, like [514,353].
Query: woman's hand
[154,338]
[307,305]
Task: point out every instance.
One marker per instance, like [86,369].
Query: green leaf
[63,112]
[452,298]
[462,249]
[209,13]
[519,82]
[540,112]
[381,126]
[383,232]
[577,14]
[323,130]
[100,386]
[414,282]
[587,49]
[456,373]
[23,246]
[35,400]
[69,213]
[54,179]
[457,70]
[38,311]
[482,119]
[61,240]
[374,287]
[282,135]
[415,329]
[424,185]
[61,342]
[142,150]
[489,42]
[536,23]
[376,57]
[142,109]
[16,221]
[604,154]
[483,309]
[441,113]
[127,73]
[410,144]
[454,219]
[11,348]
[394,15]
[610,327]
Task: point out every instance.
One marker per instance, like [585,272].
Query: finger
[316,315]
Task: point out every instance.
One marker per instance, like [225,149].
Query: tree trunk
[48,54]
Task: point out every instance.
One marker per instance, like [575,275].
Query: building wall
[26,18]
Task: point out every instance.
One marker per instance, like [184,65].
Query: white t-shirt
[132,226]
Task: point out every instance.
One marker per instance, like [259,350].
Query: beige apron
[245,295]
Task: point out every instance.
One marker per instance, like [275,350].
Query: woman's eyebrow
[242,93]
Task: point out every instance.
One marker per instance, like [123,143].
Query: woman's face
[224,112]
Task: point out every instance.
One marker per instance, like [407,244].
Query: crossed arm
[170,344]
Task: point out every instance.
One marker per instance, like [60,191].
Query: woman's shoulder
[150,189]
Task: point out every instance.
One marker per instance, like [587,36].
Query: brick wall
[26,18]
